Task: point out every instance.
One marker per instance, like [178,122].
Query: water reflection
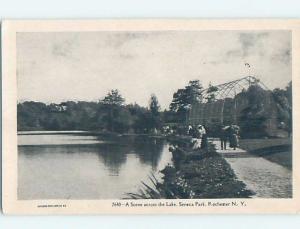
[108,169]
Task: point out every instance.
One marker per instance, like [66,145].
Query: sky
[85,66]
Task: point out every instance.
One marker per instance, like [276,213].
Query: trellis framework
[230,89]
[227,103]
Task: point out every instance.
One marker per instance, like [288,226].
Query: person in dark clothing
[190,131]
[204,141]
[195,133]
[223,137]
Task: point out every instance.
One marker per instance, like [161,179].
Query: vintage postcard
[150,116]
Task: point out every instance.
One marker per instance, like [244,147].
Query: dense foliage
[184,98]
[109,114]
[254,116]
[264,106]
[283,98]
[114,115]
[211,93]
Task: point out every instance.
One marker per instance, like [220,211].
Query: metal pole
[222,112]
[235,106]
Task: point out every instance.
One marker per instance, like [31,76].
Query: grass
[276,150]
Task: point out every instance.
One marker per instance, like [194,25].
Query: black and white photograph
[165,114]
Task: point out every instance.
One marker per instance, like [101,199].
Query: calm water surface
[79,166]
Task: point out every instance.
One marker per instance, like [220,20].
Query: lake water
[80,166]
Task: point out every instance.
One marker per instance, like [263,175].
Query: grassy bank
[195,174]
[275,150]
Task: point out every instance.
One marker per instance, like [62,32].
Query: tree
[211,93]
[154,119]
[184,98]
[154,105]
[194,92]
[112,102]
[122,120]
[179,101]
[253,117]
[113,98]
[289,94]
[31,115]
[283,99]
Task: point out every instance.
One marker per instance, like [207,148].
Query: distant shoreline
[36,132]
[84,132]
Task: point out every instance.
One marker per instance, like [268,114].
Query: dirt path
[265,178]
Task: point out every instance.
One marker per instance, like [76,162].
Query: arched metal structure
[228,104]
[232,88]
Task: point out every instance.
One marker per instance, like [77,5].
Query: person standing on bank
[233,136]
[196,138]
[203,135]
[190,130]
[224,137]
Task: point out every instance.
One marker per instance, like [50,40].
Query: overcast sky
[56,67]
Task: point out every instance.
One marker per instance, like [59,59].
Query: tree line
[109,114]
[114,115]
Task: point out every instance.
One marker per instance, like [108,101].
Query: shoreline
[84,132]
[195,174]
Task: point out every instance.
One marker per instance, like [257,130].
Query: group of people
[167,130]
[231,134]
[199,136]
